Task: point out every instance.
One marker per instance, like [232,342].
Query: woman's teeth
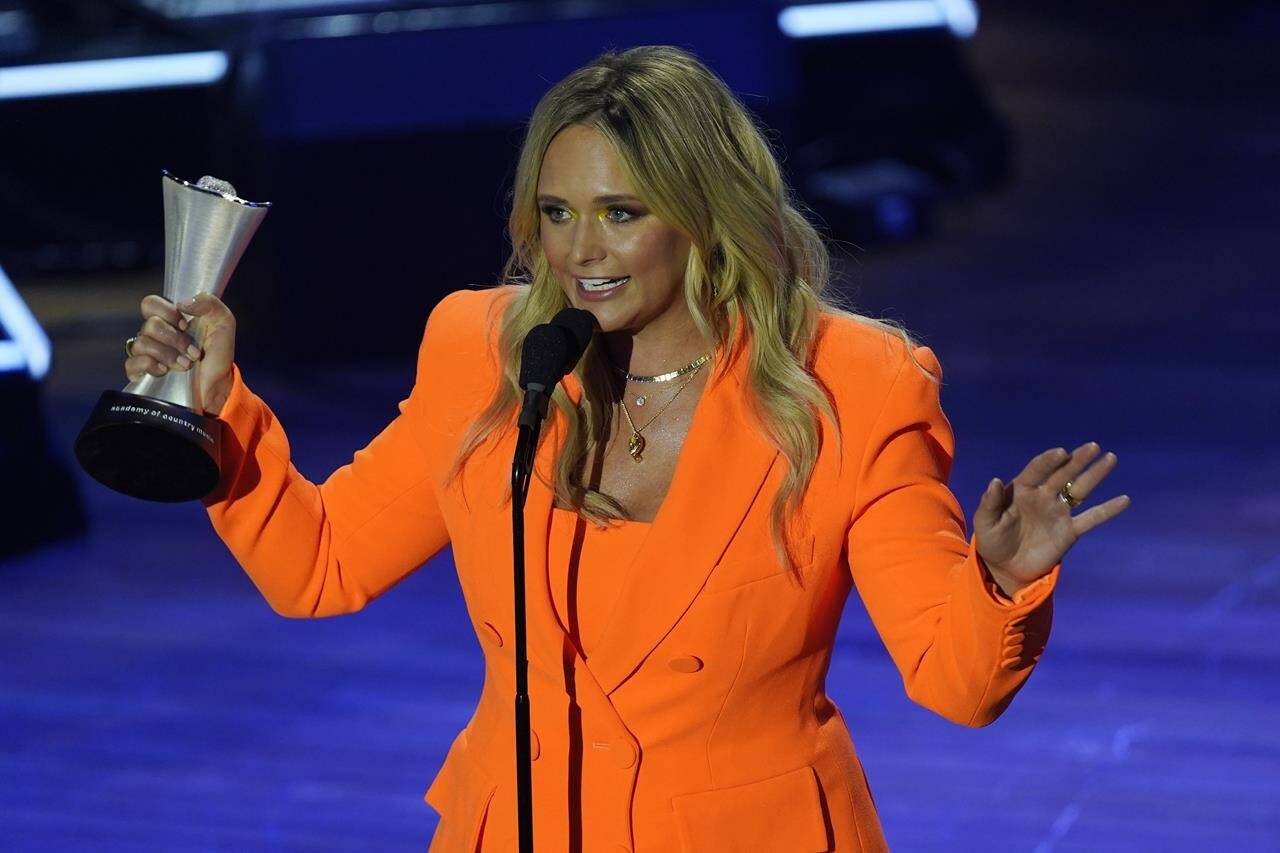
[600,284]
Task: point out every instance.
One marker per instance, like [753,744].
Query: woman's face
[592,226]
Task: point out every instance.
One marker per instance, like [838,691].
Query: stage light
[43,502]
[816,20]
[961,15]
[220,8]
[112,75]
[28,348]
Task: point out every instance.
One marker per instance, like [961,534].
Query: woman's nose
[588,243]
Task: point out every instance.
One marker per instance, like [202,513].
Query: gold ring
[128,347]
[1067,498]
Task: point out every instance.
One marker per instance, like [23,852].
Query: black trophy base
[150,449]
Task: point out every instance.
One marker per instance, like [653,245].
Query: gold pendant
[636,446]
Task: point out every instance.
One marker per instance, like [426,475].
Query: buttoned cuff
[1024,599]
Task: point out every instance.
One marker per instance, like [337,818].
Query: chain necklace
[662,377]
[636,445]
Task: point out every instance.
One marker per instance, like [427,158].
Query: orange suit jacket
[701,722]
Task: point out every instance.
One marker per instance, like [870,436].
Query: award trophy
[153,440]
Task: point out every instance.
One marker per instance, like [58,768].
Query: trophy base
[150,449]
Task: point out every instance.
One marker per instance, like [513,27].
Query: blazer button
[535,747]
[688,663]
[493,633]
[624,753]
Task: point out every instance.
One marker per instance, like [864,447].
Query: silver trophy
[153,440]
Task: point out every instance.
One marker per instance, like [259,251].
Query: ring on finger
[1067,498]
[128,347]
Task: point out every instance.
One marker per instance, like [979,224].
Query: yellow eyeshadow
[600,214]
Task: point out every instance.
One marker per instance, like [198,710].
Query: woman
[732,455]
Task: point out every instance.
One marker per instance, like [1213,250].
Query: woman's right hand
[163,344]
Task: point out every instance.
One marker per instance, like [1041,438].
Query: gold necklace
[662,377]
[636,445]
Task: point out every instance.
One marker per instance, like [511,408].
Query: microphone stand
[550,351]
[530,426]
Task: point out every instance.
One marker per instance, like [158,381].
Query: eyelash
[632,214]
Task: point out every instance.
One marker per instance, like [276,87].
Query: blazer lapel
[721,468]
[547,640]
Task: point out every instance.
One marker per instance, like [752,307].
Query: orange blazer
[701,722]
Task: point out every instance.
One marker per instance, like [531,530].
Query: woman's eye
[626,214]
[630,214]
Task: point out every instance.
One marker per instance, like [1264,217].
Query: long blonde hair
[697,158]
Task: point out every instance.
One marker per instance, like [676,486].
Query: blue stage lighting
[28,347]
[836,19]
[112,75]
[224,8]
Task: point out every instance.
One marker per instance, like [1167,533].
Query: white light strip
[835,19]
[112,75]
[11,357]
[216,8]
[961,15]
[29,348]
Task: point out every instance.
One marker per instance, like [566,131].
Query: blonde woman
[733,455]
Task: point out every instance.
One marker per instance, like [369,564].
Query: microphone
[550,351]
[581,325]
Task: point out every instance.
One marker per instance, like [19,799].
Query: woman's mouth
[597,287]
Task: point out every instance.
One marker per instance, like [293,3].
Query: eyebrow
[600,199]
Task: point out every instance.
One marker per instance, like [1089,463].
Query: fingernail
[184,362]
[164,368]
[182,324]
[194,352]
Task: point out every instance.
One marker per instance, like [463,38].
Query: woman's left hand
[1024,529]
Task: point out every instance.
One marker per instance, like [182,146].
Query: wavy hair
[698,159]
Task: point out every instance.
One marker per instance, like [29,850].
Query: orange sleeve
[321,550]
[963,650]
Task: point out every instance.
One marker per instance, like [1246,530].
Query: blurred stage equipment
[140,91]
[40,501]
[153,440]
[416,109]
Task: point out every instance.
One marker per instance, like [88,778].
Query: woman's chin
[610,317]
[605,324]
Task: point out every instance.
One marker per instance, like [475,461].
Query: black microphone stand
[530,426]
[550,351]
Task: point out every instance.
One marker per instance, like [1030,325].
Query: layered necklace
[636,445]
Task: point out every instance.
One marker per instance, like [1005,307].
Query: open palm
[1024,529]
